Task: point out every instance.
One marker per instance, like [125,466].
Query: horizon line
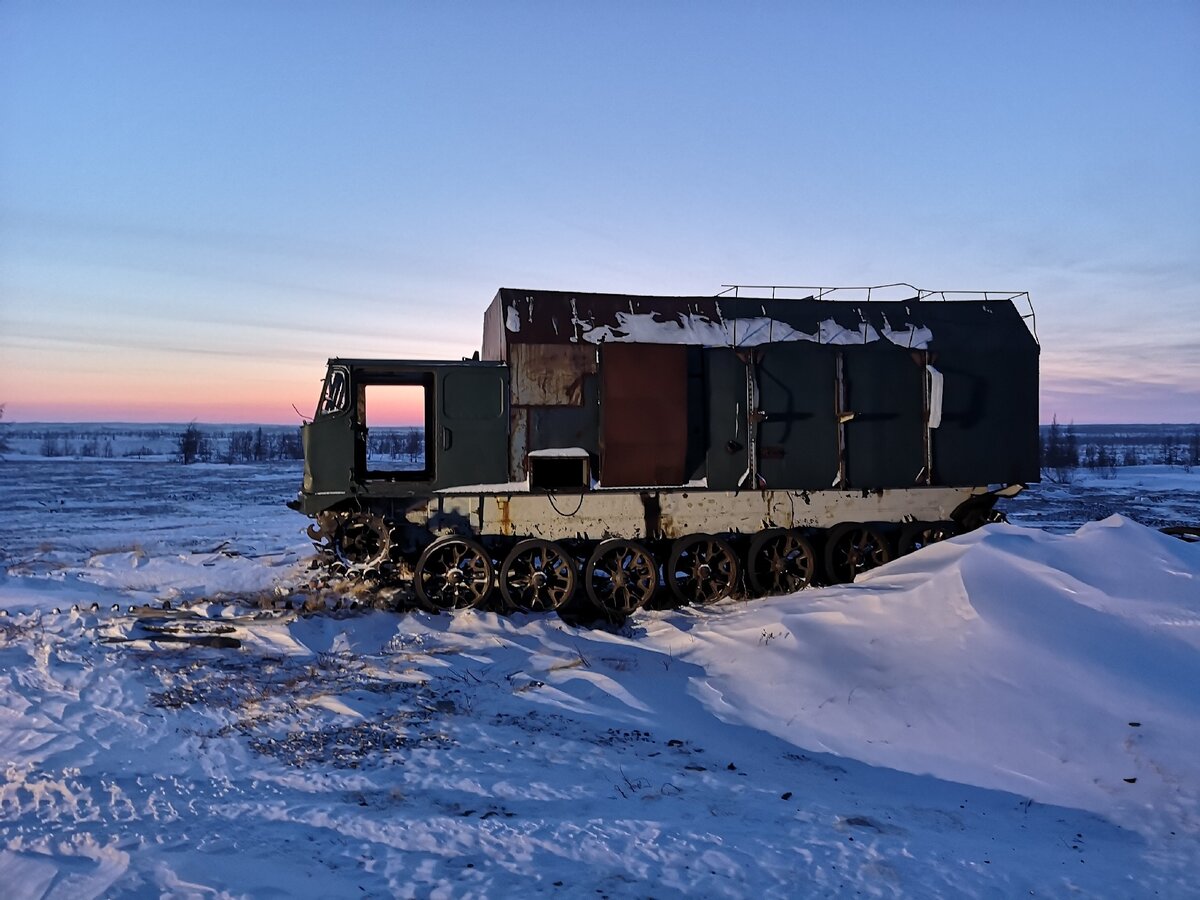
[184,423]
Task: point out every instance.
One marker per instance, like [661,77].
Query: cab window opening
[395,419]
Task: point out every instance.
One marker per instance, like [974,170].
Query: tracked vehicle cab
[390,430]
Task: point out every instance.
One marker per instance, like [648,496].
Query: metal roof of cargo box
[518,316]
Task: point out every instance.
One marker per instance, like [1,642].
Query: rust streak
[506,527]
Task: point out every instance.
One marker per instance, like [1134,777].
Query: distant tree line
[1063,452]
[398,443]
[258,445]
[63,445]
[194,443]
[251,445]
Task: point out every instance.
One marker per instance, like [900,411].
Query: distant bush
[287,445]
[262,446]
[398,444]
[1101,459]
[55,445]
[194,446]
[1060,453]
[240,447]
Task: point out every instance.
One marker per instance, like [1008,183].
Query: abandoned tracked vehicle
[607,445]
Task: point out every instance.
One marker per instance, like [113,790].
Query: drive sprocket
[361,545]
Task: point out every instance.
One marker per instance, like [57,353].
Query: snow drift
[1061,668]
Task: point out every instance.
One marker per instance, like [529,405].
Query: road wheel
[852,548]
[453,573]
[702,569]
[916,535]
[620,577]
[781,561]
[537,576]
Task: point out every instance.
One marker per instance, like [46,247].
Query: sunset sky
[202,201]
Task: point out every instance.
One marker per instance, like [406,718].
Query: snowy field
[1011,713]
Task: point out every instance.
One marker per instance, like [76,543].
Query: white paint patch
[559,453]
[936,395]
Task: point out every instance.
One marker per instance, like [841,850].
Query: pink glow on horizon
[1068,406]
[406,408]
[395,405]
[154,412]
[250,392]
[236,394]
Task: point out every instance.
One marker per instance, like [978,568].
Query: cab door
[329,440]
[471,427]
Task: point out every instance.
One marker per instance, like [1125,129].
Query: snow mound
[1060,668]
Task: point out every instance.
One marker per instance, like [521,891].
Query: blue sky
[200,202]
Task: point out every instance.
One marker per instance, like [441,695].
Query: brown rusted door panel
[643,414]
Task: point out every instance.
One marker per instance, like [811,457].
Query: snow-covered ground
[1014,712]
[1153,495]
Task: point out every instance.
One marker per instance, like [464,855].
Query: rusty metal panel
[600,514]
[495,341]
[552,427]
[643,414]
[558,317]
[518,442]
[550,374]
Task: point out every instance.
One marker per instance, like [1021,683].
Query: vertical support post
[927,471]
[754,415]
[843,416]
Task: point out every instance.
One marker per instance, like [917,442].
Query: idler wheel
[702,569]
[453,573]
[852,548]
[620,577]
[537,576]
[781,561]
